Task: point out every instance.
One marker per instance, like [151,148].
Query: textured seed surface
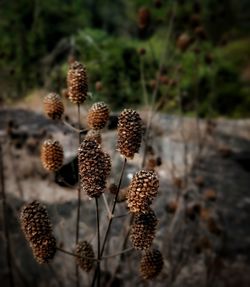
[98,116]
[37,229]
[53,106]
[85,250]
[151,264]
[77,82]
[143,230]
[94,167]
[142,190]
[51,155]
[129,133]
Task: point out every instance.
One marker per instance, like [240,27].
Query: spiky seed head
[94,135]
[143,230]
[85,250]
[144,17]
[53,106]
[98,116]
[94,167]
[37,229]
[51,155]
[142,190]
[77,82]
[151,264]
[129,133]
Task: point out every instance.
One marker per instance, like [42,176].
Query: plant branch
[118,253]
[78,200]
[98,242]
[111,218]
[5,224]
[75,255]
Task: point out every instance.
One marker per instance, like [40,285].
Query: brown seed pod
[143,230]
[37,229]
[77,82]
[51,155]
[98,116]
[142,190]
[183,42]
[151,264]
[172,206]
[53,106]
[85,250]
[129,133]
[94,135]
[94,167]
[143,17]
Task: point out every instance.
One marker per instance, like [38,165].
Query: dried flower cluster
[85,250]
[51,155]
[77,82]
[37,229]
[143,230]
[129,133]
[151,264]
[98,116]
[142,190]
[94,167]
[53,106]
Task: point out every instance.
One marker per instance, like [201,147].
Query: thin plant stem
[98,242]
[118,253]
[155,92]
[78,199]
[5,224]
[145,93]
[75,255]
[111,218]
[106,205]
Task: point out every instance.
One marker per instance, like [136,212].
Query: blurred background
[37,39]
[185,66]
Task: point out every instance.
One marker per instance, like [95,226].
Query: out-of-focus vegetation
[211,76]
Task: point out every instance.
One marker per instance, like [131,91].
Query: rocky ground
[204,236]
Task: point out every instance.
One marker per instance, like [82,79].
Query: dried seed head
[129,133]
[151,264]
[51,155]
[53,106]
[143,230]
[94,135]
[37,229]
[183,42]
[144,17]
[77,82]
[94,167]
[142,190]
[98,116]
[85,250]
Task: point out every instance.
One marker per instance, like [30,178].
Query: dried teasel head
[94,167]
[37,229]
[51,155]
[85,252]
[142,190]
[129,133]
[98,116]
[53,106]
[77,82]
[143,230]
[151,264]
